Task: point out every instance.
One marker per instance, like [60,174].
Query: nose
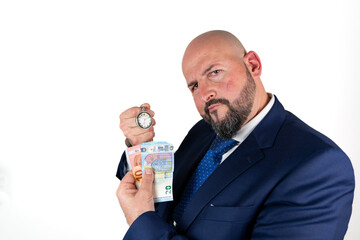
[207,92]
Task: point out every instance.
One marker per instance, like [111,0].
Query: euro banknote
[160,157]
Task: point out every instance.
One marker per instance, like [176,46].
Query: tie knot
[221,146]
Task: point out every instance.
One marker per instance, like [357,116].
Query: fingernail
[148,171]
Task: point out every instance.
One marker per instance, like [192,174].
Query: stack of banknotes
[160,157]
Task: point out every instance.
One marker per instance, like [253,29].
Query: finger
[130,113]
[127,185]
[147,106]
[127,122]
[123,187]
[133,131]
[151,112]
[147,180]
[136,131]
[128,178]
[145,137]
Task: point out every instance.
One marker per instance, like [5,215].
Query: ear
[253,63]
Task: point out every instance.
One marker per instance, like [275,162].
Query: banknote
[160,157]
[133,156]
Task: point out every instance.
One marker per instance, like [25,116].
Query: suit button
[174,223]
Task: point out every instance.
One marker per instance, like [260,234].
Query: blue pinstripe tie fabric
[206,166]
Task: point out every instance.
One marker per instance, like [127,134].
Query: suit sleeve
[122,167]
[150,226]
[312,202]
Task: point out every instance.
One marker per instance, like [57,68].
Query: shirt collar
[245,130]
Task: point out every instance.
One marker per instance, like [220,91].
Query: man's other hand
[131,130]
[135,202]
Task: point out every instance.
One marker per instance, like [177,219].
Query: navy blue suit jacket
[285,181]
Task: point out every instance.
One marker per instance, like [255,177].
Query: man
[277,179]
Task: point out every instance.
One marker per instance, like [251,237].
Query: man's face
[222,87]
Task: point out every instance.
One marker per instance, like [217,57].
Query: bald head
[217,40]
[216,37]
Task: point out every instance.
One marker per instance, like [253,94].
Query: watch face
[144,120]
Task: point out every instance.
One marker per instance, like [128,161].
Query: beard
[237,114]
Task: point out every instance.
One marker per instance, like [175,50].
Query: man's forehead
[208,52]
[201,65]
[200,62]
[201,57]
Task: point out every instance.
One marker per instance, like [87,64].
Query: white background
[69,68]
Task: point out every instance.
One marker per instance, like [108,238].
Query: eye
[193,86]
[216,72]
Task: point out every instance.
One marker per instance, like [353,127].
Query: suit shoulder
[300,135]
[298,143]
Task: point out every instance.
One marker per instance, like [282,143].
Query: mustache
[215,101]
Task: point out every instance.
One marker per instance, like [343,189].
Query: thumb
[145,105]
[147,180]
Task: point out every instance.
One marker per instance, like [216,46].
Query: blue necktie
[206,166]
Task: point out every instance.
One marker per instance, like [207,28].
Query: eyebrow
[206,71]
[192,83]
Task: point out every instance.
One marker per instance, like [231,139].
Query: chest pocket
[228,214]
[219,222]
